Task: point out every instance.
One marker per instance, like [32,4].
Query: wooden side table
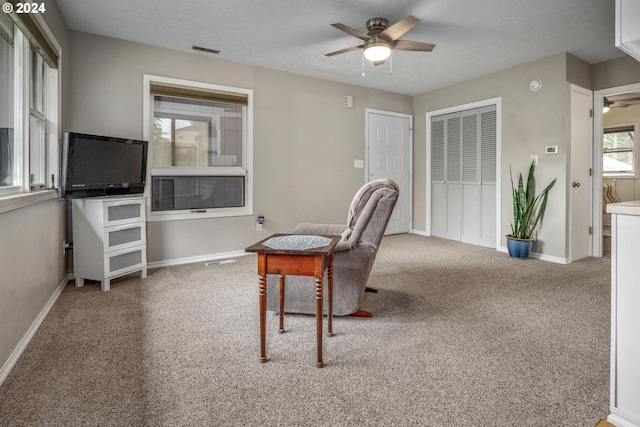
[298,255]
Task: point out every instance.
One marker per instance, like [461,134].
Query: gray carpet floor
[462,336]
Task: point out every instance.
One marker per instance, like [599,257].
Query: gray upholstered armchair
[368,216]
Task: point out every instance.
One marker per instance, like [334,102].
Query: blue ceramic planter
[518,248]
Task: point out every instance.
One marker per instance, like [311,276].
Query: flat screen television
[94,166]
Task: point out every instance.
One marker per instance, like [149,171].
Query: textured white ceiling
[472,37]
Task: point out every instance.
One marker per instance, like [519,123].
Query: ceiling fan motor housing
[377,25]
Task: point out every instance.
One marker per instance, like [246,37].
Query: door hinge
[591,113]
[590,231]
[590,172]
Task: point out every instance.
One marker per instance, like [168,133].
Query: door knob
[575,184]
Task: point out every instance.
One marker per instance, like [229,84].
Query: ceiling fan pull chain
[391,64]
[362,64]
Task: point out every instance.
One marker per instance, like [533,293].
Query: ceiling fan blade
[349,49]
[411,45]
[400,28]
[351,31]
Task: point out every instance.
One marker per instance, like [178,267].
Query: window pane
[8,176]
[618,140]
[196,192]
[38,121]
[162,141]
[192,141]
[37,81]
[36,151]
[197,133]
[618,152]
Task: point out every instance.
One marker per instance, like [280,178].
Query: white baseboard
[199,258]
[541,257]
[620,419]
[420,233]
[26,339]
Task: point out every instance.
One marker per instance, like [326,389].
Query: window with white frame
[29,105]
[620,150]
[201,149]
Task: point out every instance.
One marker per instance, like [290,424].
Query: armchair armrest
[320,229]
[325,230]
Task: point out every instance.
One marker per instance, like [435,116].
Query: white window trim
[622,175]
[147,126]
[20,196]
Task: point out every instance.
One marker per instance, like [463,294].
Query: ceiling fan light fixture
[377,50]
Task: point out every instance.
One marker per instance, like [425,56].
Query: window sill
[19,201]
[619,176]
[198,214]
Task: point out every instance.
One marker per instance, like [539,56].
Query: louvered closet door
[438,187]
[488,161]
[453,156]
[470,196]
[463,176]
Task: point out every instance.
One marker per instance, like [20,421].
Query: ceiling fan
[381,39]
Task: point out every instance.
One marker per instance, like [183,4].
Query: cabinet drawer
[123,212]
[124,236]
[120,262]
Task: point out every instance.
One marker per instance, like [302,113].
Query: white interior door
[580,183]
[389,138]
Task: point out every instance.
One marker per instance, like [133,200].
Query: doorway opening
[614,181]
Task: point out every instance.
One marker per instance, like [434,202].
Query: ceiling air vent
[205,49]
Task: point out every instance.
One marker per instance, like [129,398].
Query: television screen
[96,165]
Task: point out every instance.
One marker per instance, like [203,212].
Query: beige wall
[530,121]
[305,139]
[31,259]
[617,72]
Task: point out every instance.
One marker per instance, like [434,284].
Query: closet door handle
[575,184]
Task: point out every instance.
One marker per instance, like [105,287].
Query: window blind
[619,129]
[30,27]
[176,91]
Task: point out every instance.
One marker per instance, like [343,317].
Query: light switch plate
[359,164]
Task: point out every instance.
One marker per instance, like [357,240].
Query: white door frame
[598,131]
[458,108]
[369,111]
[571,228]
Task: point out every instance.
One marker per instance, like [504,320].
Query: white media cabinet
[625,314]
[109,238]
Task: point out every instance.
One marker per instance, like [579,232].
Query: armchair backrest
[370,211]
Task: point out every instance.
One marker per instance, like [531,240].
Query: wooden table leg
[263,318]
[330,302]
[281,296]
[262,273]
[319,319]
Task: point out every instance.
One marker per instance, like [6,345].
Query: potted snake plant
[527,212]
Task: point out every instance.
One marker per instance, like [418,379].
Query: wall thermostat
[551,149]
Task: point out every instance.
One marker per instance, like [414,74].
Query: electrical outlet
[534,159]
